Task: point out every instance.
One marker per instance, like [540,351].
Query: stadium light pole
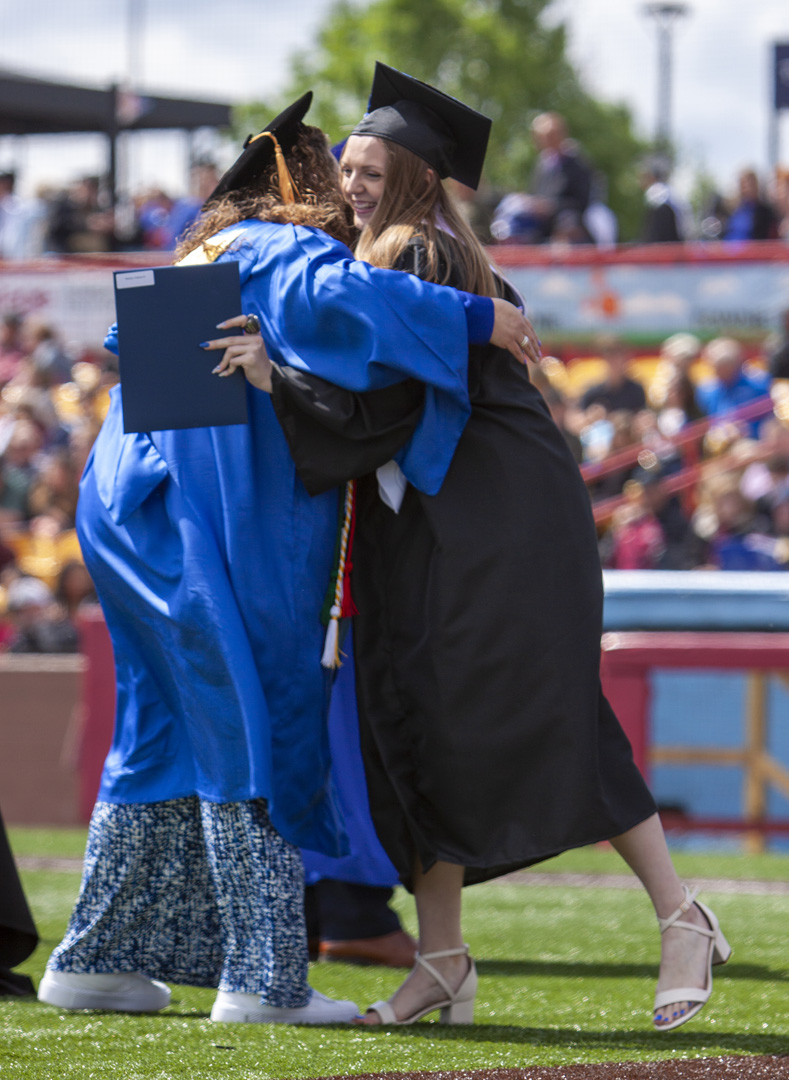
[665,16]
[135,26]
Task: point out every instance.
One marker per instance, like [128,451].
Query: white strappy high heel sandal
[718,952]
[458,1005]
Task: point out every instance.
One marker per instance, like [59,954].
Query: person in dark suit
[662,223]
[561,190]
[752,218]
[779,360]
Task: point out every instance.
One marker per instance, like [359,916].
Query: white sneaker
[126,991]
[231,1007]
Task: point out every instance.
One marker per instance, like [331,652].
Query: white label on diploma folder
[134,279]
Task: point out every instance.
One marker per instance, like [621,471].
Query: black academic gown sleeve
[335,434]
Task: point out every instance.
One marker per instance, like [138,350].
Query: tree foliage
[499,56]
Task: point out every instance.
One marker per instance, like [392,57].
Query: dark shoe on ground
[397,949]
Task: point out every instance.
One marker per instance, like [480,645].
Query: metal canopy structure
[31,106]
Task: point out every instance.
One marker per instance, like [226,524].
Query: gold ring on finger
[252,325]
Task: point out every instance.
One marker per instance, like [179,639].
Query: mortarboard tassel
[287,185]
[342,603]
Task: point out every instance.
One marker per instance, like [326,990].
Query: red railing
[689,443]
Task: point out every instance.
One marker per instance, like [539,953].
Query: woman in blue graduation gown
[211,562]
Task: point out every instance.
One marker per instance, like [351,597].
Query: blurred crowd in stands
[686,455]
[80,218]
[563,203]
[51,408]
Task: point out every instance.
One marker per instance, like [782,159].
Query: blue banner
[782,76]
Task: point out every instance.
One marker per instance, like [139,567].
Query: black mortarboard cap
[258,154]
[448,135]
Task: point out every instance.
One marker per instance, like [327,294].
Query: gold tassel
[331,647]
[287,186]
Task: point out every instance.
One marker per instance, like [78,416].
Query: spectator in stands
[203,180]
[35,404]
[40,625]
[80,440]
[152,210]
[664,217]
[741,539]
[682,548]
[18,470]
[7,555]
[637,540]
[81,219]
[599,219]
[780,529]
[752,217]
[22,222]
[732,385]
[47,361]
[765,480]
[779,360]
[677,355]
[561,185]
[74,588]
[714,217]
[617,392]
[680,406]
[781,202]
[622,427]
[12,350]
[52,501]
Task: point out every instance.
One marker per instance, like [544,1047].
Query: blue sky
[240,49]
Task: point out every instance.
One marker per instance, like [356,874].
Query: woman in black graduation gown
[487,741]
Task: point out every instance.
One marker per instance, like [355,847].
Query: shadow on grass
[579,969]
[678,1043]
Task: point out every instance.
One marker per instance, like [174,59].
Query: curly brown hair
[314,172]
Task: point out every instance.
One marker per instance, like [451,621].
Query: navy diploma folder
[163,314]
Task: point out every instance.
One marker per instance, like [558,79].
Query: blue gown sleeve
[479,317]
[362,328]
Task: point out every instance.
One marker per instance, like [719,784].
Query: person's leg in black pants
[355,924]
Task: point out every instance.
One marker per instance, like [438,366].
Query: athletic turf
[566,976]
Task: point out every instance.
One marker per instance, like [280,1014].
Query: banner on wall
[644,295]
[75,295]
[641,294]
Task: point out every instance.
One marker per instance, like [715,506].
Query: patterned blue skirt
[187,891]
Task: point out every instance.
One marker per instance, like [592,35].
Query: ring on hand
[524,341]
[252,325]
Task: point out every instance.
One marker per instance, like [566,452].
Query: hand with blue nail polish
[247,352]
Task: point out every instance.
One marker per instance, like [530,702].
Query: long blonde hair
[321,206]
[415,203]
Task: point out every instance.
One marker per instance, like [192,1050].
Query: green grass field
[566,975]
